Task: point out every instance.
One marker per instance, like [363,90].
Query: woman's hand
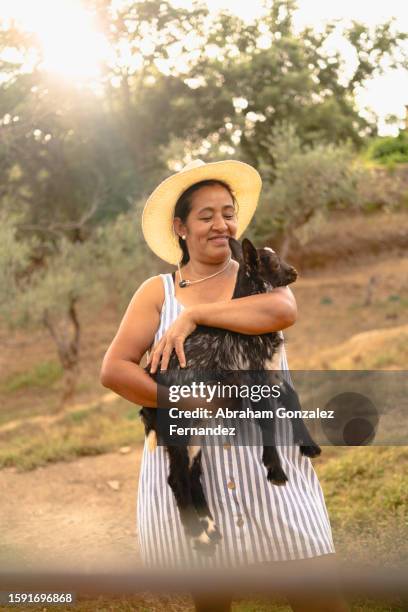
[173,338]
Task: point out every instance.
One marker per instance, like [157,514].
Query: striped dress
[259,522]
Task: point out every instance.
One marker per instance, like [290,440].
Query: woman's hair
[183,208]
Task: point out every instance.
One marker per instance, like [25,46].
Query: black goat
[226,352]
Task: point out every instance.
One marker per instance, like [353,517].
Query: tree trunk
[67,339]
[286,244]
[70,381]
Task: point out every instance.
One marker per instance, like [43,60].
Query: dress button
[240,522]
[227,446]
[231,484]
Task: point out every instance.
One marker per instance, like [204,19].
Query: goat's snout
[291,274]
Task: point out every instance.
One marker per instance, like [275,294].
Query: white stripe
[320,507]
[297,503]
[221,479]
[249,494]
[248,539]
[313,529]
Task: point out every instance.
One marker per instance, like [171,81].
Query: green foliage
[306,182]
[66,275]
[389,150]
[261,75]
[133,414]
[14,257]
[73,161]
[63,159]
[380,187]
[69,154]
[121,258]
[109,265]
[79,415]
[326,300]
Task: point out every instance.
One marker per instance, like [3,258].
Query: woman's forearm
[131,382]
[254,314]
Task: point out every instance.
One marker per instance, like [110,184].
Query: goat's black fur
[211,349]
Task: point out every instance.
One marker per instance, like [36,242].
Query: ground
[68,512]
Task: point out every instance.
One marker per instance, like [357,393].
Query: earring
[183,236]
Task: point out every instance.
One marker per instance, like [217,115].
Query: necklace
[186,283]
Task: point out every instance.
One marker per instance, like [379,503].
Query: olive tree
[306,182]
[108,266]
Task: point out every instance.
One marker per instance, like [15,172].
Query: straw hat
[157,218]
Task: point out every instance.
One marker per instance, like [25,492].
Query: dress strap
[172,280]
[168,288]
[167,314]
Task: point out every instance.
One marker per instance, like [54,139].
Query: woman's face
[211,221]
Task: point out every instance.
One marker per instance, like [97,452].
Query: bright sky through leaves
[74,48]
[71,44]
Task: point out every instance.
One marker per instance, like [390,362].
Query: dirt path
[81,513]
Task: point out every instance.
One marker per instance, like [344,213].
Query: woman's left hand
[173,338]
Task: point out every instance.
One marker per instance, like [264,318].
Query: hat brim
[157,218]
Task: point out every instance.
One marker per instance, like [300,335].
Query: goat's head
[261,268]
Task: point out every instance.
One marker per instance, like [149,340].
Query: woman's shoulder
[152,290]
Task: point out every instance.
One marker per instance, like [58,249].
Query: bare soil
[79,514]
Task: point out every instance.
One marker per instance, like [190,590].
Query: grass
[326,300]
[366,492]
[100,429]
[43,375]
[392,305]
[396,354]
[379,349]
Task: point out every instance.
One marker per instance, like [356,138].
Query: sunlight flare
[71,45]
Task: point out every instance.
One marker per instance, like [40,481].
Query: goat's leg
[199,500]
[301,435]
[272,462]
[270,455]
[180,482]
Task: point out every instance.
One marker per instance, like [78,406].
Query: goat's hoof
[211,529]
[203,544]
[277,476]
[214,534]
[311,451]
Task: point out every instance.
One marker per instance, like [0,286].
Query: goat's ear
[250,254]
[236,249]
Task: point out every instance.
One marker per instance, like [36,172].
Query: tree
[61,157]
[174,74]
[143,90]
[308,181]
[389,150]
[258,76]
[107,266]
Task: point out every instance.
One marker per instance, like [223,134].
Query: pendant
[183,283]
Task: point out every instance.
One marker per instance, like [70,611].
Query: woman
[187,221]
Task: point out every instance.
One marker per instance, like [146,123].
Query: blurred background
[100,100]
